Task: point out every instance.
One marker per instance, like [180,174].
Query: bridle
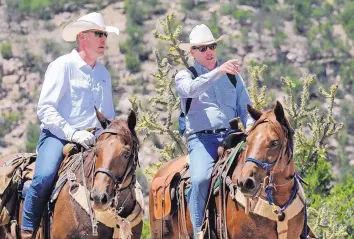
[118,181]
[132,164]
[285,148]
[268,183]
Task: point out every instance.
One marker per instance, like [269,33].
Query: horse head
[267,157]
[116,154]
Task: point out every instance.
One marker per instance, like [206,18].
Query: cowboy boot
[200,235]
[26,234]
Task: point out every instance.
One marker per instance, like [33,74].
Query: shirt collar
[202,69]
[77,58]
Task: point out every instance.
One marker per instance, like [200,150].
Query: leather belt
[211,131]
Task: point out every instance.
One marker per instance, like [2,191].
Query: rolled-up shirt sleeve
[54,87]
[243,100]
[187,87]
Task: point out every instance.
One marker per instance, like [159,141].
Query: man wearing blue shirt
[215,101]
[73,85]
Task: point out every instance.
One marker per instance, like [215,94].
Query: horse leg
[137,230]
[4,233]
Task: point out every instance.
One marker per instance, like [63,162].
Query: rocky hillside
[292,37]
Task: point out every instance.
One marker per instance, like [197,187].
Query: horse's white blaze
[259,136]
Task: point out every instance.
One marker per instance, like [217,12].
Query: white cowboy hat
[91,21]
[200,36]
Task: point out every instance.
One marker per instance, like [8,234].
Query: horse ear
[255,114]
[102,119]
[279,113]
[132,120]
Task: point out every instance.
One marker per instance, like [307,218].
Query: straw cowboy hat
[91,21]
[200,36]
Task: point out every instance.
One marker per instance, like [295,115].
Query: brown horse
[109,170]
[265,174]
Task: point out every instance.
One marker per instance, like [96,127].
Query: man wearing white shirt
[73,85]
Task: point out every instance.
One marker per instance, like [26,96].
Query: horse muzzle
[101,199]
[248,186]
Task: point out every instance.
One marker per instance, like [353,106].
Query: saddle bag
[164,192]
[13,171]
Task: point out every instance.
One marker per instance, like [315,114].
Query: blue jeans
[47,165]
[202,149]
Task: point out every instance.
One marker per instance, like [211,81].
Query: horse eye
[126,154]
[274,143]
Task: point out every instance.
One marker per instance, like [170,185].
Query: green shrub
[275,71]
[35,5]
[318,177]
[268,25]
[279,38]
[213,24]
[344,192]
[302,14]
[134,11]
[33,132]
[6,50]
[241,15]
[187,5]
[227,9]
[264,4]
[268,5]
[302,23]
[124,46]
[346,73]
[132,61]
[145,234]
[318,12]
[44,9]
[333,217]
[135,33]
[7,121]
[347,18]
[53,48]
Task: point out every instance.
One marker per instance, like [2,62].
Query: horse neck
[284,183]
[127,200]
[89,168]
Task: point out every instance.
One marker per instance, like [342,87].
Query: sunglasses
[204,48]
[99,34]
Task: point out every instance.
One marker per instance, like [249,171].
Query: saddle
[16,173]
[169,190]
